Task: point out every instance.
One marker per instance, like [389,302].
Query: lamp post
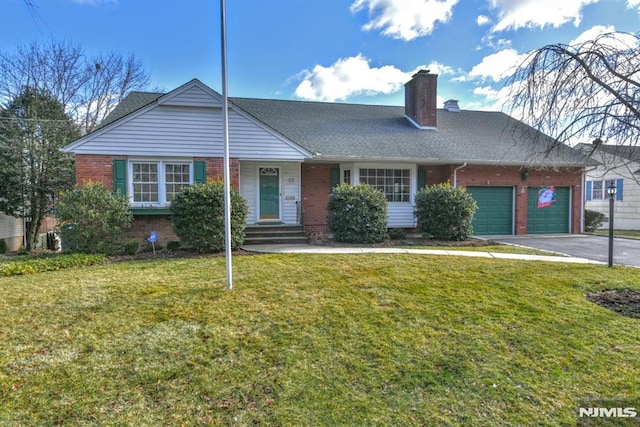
[611,191]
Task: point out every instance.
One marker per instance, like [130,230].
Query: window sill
[150,211]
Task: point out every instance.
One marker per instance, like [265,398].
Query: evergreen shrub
[357,214]
[92,219]
[198,217]
[444,212]
[592,220]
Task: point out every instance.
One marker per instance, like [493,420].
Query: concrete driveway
[625,251]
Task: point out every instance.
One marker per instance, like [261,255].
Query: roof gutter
[455,174]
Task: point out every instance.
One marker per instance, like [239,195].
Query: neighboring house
[287,155]
[11,231]
[619,166]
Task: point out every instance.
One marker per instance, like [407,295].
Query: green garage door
[548,210]
[495,210]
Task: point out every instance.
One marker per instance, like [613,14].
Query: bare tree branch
[88,88]
[582,92]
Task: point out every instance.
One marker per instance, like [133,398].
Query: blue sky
[360,51]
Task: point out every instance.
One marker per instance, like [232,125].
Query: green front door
[269,193]
[548,210]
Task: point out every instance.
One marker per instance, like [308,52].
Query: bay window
[394,183]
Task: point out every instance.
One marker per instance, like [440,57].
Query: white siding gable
[193,94]
[188,123]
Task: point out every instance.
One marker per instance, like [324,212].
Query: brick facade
[99,168]
[143,225]
[512,176]
[95,168]
[316,187]
[215,170]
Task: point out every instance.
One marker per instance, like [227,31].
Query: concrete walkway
[311,249]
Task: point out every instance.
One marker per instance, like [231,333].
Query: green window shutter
[334,177]
[422,178]
[120,176]
[200,172]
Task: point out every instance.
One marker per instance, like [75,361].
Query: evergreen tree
[33,170]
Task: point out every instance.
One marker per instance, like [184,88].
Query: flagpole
[225,133]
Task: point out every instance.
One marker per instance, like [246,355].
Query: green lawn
[505,249]
[313,340]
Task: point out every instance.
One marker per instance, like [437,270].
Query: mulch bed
[180,253]
[189,253]
[625,302]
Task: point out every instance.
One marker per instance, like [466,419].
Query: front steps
[269,234]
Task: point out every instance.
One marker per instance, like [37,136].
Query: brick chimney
[420,99]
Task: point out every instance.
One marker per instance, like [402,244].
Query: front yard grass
[314,340]
[505,249]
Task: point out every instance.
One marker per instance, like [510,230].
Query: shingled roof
[132,102]
[627,152]
[359,132]
[336,131]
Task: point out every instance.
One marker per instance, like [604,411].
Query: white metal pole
[225,134]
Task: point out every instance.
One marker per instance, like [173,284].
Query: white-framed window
[156,182]
[346,176]
[394,183]
[597,189]
[177,177]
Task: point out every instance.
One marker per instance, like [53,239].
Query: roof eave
[318,158]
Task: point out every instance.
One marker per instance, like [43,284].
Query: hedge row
[42,263]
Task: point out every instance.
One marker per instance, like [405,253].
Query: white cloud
[353,76]
[405,19]
[514,14]
[592,33]
[498,65]
[482,20]
[607,37]
[633,3]
[494,100]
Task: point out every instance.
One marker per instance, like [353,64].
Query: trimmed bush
[92,219]
[592,220]
[198,217]
[131,247]
[397,233]
[444,212]
[4,247]
[357,214]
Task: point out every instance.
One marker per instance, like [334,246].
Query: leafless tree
[88,87]
[582,92]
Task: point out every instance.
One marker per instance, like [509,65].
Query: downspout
[455,174]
